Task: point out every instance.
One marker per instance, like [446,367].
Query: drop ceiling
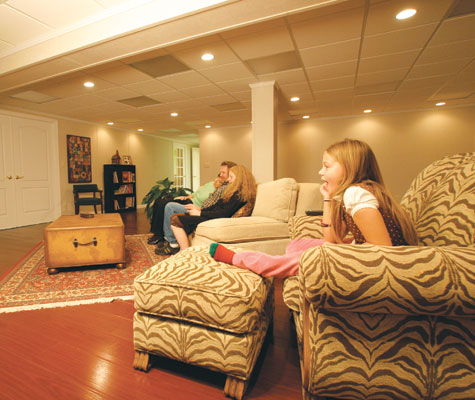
[338,57]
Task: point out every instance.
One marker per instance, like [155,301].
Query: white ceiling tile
[382,14]
[443,68]
[220,50]
[202,91]
[334,83]
[330,53]
[184,80]
[122,75]
[263,44]
[454,30]
[388,61]
[221,99]
[151,86]
[222,73]
[425,82]
[168,97]
[17,28]
[117,93]
[325,30]
[434,54]
[285,77]
[236,85]
[390,75]
[329,71]
[397,41]
[58,13]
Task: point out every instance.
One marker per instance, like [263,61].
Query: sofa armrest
[305,227]
[390,280]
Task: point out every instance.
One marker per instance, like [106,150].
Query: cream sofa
[266,229]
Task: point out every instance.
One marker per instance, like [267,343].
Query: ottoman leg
[141,361]
[235,388]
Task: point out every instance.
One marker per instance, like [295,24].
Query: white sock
[174,245]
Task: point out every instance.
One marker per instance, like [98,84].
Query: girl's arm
[327,215]
[326,222]
[371,224]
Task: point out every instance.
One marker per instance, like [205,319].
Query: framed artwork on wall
[79,159]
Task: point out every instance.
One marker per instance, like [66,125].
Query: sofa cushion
[308,198]
[246,229]
[276,199]
[191,286]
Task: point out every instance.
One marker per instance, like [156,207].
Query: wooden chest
[73,241]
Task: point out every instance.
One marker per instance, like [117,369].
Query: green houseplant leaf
[163,188]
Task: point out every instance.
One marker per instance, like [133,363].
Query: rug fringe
[64,304]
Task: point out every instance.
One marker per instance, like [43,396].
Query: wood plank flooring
[86,352]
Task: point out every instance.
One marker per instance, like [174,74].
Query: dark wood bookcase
[119,188]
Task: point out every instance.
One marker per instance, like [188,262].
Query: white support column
[264,131]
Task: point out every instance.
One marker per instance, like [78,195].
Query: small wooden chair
[87,201]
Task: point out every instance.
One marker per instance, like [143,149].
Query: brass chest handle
[76,243]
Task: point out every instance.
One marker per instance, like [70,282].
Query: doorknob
[9,177]
[19,177]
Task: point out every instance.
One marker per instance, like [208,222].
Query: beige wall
[404,143]
[217,145]
[153,157]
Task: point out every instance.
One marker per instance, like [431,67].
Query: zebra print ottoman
[194,309]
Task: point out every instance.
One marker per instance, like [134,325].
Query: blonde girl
[355,201]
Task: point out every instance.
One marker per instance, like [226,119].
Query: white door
[7,182]
[31,195]
[195,168]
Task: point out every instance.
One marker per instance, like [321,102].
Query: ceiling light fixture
[207,126]
[306,117]
[367,111]
[441,103]
[295,98]
[174,114]
[89,84]
[110,123]
[207,57]
[140,130]
[404,14]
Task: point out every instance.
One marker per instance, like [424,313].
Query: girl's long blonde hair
[361,167]
[244,184]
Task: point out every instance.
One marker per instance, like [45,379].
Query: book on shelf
[129,202]
[128,176]
[124,189]
[115,178]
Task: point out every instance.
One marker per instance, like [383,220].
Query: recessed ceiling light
[404,14]
[174,114]
[110,123]
[89,84]
[295,98]
[140,130]
[441,103]
[207,57]
[367,111]
[306,117]
[207,126]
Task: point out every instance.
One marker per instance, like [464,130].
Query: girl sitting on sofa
[240,191]
[355,200]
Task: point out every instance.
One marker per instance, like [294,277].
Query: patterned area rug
[28,286]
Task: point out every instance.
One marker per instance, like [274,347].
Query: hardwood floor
[86,352]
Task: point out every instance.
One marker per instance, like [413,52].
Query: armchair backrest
[88,188]
[441,202]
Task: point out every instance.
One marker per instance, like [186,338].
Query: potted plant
[163,188]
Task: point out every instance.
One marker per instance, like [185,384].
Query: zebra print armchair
[378,322]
